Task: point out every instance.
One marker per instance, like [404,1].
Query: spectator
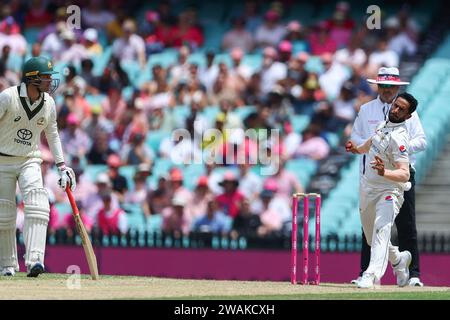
[53,44]
[351,55]
[333,77]
[213,220]
[320,41]
[250,184]
[113,77]
[162,36]
[138,194]
[159,198]
[69,223]
[177,190]
[85,186]
[313,145]
[271,32]
[37,15]
[130,47]
[175,220]
[341,25]
[209,74]
[92,82]
[226,86]
[10,78]
[284,182]
[136,151]
[252,94]
[344,106]
[242,71]
[75,141]
[272,71]
[100,150]
[95,17]
[246,223]
[230,200]
[295,35]
[110,220]
[271,221]
[198,206]
[180,71]
[119,182]
[91,44]
[399,40]
[114,105]
[251,15]
[186,32]
[284,51]
[238,37]
[291,139]
[74,82]
[93,203]
[97,122]
[59,20]
[73,51]
[10,36]
[383,56]
[310,94]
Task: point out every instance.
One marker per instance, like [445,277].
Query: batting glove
[67,177]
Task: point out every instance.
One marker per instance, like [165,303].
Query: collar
[394,125]
[23,90]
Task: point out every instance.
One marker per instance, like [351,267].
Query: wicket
[305,270]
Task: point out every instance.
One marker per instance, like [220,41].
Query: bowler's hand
[351,147]
[67,178]
[378,165]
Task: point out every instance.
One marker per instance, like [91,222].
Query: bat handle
[72,202]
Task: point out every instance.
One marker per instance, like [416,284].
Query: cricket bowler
[382,195]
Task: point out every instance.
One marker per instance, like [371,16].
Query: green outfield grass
[61,286]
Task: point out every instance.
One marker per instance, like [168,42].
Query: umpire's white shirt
[371,115]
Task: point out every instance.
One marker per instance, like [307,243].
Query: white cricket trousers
[27,173]
[378,209]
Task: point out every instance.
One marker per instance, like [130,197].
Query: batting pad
[37,211]
[8,247]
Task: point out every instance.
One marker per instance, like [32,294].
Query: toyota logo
[24,134]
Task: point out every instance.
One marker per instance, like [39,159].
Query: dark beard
[394,120]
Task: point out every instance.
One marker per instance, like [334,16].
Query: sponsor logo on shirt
[40,122]
[388,198]
[402,149]
[24,135]
[17,118]
[373,121]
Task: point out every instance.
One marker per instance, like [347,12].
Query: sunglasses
[386,86]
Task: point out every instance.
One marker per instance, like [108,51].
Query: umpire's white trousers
[378,209]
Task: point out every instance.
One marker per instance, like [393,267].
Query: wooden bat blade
[87,246]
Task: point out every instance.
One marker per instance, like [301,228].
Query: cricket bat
[87,245]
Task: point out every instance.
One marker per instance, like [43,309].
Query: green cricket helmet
[34,68]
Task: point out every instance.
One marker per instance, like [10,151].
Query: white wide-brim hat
[388,76]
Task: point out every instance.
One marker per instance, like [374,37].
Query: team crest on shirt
[402,149]
[388,198]
[40,121]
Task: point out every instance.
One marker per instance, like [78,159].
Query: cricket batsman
[25,111]
[382,195]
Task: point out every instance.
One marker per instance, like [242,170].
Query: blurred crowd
[316,70]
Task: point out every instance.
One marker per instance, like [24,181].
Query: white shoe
[8,271]
[401,269]
[415,282]
[368,281]
[355,281]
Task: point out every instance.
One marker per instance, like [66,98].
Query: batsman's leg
[8,248]
[37,209]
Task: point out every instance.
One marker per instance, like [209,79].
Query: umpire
[369,117]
